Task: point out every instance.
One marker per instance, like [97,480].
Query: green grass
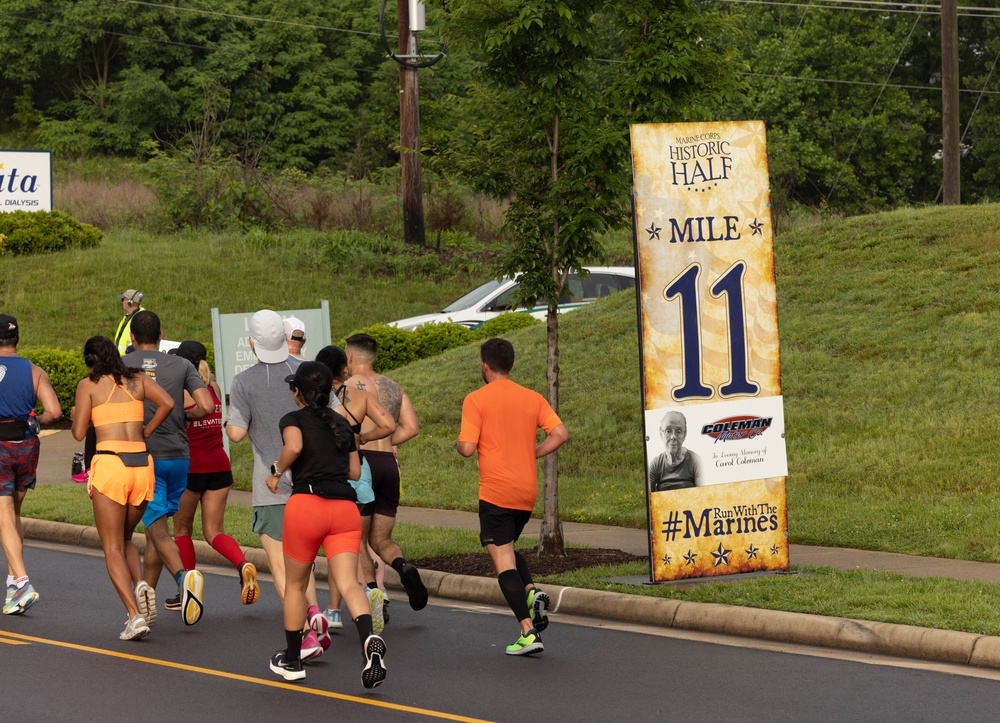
[941,603]
[889,335]
[889,329]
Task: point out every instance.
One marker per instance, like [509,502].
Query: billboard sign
[711,391]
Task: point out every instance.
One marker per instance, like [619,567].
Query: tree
[548,131]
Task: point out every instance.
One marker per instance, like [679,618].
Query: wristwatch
[274,469]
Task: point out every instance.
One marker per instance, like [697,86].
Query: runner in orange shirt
[500,421]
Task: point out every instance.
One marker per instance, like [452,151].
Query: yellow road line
[243,678]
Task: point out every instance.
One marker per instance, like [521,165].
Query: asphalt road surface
[62,661]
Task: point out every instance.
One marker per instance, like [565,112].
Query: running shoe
[173,603]
[376,598]
[311,648]
[192,590]
[538,603]
[528,644]
[287,669]
[145,598]
[135,628]
[333,619]
[319,625]
[414,587]
[20,599]
[374,671]
[251,590]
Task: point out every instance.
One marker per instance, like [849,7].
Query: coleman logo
[742,427]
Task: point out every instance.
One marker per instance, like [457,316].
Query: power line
[874,105]
[934,88]
[877,6]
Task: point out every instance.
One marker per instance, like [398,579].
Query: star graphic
[757,227]
[689,558]
[774,549]
[667,559]
[653,231]
[752,552]
[721,556]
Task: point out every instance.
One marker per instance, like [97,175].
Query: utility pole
[950,140]
[409,129]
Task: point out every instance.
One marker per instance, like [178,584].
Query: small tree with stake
[547,130]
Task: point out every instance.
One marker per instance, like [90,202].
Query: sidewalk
[949,646]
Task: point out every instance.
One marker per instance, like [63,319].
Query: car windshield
[473,297]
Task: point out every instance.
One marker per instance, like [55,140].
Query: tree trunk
[550,541]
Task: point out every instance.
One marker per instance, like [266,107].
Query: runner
[171,457]
[22,385]
[356,406]
[121,480]
[379,519]
[500,421]
[319,448]
[210,477]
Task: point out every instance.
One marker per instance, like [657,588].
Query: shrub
[395,346]
[65,370]
[36,232]
[433,339]
[504,324]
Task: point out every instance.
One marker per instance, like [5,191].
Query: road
[64,662]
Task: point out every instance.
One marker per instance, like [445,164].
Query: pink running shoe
[311,648]
[320,625]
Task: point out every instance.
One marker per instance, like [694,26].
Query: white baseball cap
[293,324]
[268,336]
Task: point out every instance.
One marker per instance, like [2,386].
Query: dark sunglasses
[298,338]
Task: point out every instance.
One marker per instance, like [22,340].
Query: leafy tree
[547,129]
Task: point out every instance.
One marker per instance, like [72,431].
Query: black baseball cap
[8,327]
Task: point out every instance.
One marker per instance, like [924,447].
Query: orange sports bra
[117,412]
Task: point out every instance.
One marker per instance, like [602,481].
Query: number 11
[686,287]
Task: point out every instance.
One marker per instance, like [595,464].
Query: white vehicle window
[473,297]
[504,301]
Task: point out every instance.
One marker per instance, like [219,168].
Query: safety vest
[122,336]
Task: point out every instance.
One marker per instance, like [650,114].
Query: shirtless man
[379,517]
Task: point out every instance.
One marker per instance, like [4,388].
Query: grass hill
[889,335]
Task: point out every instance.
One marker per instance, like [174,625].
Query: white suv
[496,297]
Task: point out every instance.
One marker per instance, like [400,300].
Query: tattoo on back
[390,395]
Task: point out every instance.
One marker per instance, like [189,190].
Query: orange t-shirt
[502,420]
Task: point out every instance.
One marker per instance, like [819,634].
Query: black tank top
[342,396]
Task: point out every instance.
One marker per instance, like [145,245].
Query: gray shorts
[268,520]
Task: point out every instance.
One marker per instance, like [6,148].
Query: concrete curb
[871,637]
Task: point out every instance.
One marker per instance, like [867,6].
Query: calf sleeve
[513,591]
[522,569]
[186,548]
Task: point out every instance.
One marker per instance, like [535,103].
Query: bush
[504,324]
[65,370]
[433,339]
[395,346]
[36,232]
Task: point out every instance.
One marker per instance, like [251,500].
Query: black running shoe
[289,670]
[374,672]
[173,603]
[414,587]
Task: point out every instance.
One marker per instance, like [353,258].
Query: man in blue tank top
[22,385]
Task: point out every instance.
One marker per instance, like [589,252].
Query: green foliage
[433,339]
[395,346]
[504,324]
[37,232]
[65,370]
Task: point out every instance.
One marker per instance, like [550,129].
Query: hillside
[888,328]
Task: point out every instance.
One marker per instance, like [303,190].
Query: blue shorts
[171,481]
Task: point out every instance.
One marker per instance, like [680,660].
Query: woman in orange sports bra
[120,480]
